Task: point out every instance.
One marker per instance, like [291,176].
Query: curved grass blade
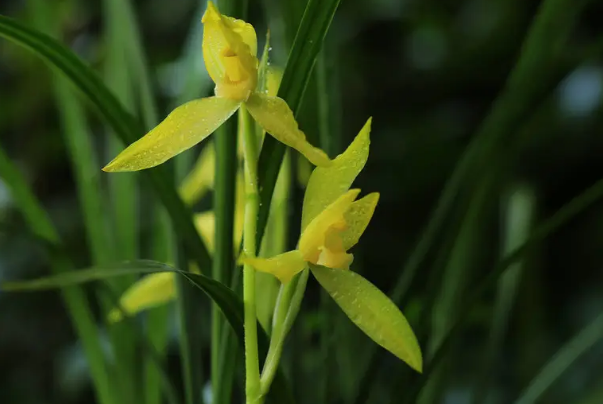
[520,203]
[125,126]
[561,217]
[562,360]
[228,301]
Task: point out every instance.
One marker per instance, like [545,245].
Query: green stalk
[225,143]
[163,241]
[124,198]
[285,313]
[123,186]
[518,216]
[252,205]
[74,297]
[327,143]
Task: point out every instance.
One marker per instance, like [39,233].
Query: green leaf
[228,301]
[308,41]
[125,126]
[372,311]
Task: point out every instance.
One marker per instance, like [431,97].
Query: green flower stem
[252,205]
[278,336]
[225,145]
[285,312]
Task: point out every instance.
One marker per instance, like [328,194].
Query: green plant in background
[251,209]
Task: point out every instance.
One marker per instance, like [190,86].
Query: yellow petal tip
[210,13]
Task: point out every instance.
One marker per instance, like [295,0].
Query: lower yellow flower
[332,219]
[326,240]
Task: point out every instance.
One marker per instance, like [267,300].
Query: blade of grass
[518,216]
[329,145]
[84,166]
[547,227]
[453,285]
[562,360]
[74,297]
[125,126]
[123,191]
[230,303]
[163,242]
[225,144]
[308,41]
[528,84]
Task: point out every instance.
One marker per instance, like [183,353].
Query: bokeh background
[428,72]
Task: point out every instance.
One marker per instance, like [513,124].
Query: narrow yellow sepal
[276,118]
[150,291]
[186,126]
[326,184]
[284,266]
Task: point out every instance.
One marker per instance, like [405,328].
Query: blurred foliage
[427,72]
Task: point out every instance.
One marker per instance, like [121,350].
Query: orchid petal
[276,118]
[186,126]
[150,291]
[284,266]
[326,184]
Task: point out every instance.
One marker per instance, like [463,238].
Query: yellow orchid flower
[229,51]
[332,223]
[332,219]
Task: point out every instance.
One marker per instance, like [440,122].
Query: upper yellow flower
[332,219]
[229,51]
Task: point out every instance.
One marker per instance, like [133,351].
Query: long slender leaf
[518,215]
[561,217]
[134,60]
[308,42]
